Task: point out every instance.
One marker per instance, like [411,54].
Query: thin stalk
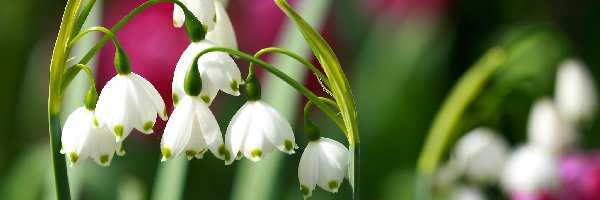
[83,17]
[312,68]
[290,81]
[104,30]
[57,65]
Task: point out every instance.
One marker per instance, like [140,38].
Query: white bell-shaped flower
[217,69]
[548,130]
[192,129]
[82,138]
[324,162]
[576,97]
[223,33]
[257,129]
[480,155]
[204,10]
[530,170]
[129,101]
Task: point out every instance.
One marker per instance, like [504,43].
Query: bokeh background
[401,57]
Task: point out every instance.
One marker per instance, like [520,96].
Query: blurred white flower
[575,95]
[218,71]
[223,33]
[462,192]
[324,162]
[129,101]
[480,155]
[548,130]
[257,129]
[530,170]
[204,10]
[82,138]
[192,129]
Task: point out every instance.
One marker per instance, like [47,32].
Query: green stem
[461,96]
[57,65]
[104,30]
[83,17]
[290,81]
[72,72]
[90,54]
[294,56]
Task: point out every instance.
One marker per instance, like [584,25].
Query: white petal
[223,33]
[529,170]
[196,145]
[576,97]
[75,135]
[209,90]
[308,169]
[547,129]
[153,95]
[210,130]
[178,129]
[256,146]
[178,15]
[204,10]
[222,71]
[333,164]
[117,106]
[481,154]
[280,134]
[237,129]
[104,146]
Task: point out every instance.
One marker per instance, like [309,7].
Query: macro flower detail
[257,129]
[82,138]
[576,97]
[129,101]
[223,34]
[192,129]
[204,10]
[217,69]
[324,162]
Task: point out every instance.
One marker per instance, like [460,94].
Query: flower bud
[194,28]
[193,81]
[253,91]
[548,130]
[122,63]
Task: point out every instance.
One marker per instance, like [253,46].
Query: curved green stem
[104,30]
[294,56]
[72,72]
[57,65]
[461,96]
[90,54]
[82,17]
[290,81]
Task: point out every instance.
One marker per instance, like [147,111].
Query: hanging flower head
[257,128]
[576,97]
[223,33]
[129,101]
[82,138]
[204,10]
[547,128]
[193,128]
[324,162]
[218,71]
[480,155]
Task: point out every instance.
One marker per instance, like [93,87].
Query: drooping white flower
[257,129]
[324,162]
[223,33]
[463,192]
[576,97]
[548,130]
[82,138]
[530,170]
[217,70]
[129,101]
[192,129]
[204,10]
[480,155]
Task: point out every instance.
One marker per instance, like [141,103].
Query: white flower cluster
[129,102]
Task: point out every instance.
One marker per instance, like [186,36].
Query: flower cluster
[128,101]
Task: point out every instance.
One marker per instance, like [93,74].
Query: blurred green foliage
[401,68]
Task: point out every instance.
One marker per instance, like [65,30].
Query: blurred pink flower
[540,196]
[580,176]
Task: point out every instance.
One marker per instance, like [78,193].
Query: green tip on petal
[96,124]
[256,153]
[190,154]
[215,18]
[305,190]
[121,151]
[174,22]
[333,185]
[104,159]
[239,154]
[166,152]
[118,131]
[148,126]
[175,100]
[224,152]
[234,86]
[206,99]
[73,157]
[289,145]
